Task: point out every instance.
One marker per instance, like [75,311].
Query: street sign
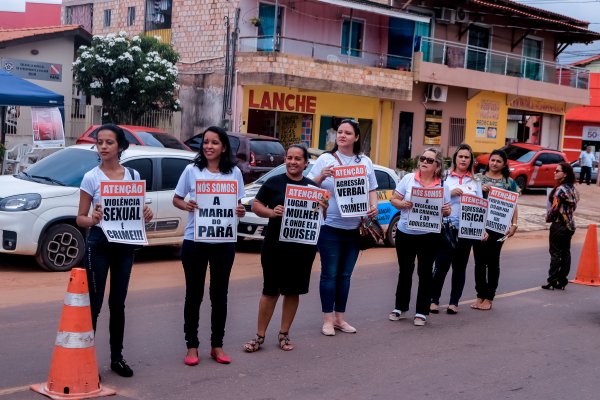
[29,69]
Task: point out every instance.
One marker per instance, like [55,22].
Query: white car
[38,207]
[251,226]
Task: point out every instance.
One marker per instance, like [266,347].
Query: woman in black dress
[286,266]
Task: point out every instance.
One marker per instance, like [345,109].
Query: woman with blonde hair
[413,244]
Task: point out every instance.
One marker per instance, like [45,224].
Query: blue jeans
[101,255]
[339,251]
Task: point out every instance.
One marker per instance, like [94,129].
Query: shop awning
[376,8]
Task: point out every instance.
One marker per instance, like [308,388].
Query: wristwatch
[515,225]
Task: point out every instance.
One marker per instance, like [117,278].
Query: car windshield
[65,167]
[267,147]
[519,154]
[159,139]
[278,171]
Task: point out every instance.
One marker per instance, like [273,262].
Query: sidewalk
[532,208]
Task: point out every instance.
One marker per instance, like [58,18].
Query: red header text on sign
[501,207]
[215,219]
[123,211]
[351,190]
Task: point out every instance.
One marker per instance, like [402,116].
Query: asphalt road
[534,344]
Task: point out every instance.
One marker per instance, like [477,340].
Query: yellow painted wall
[487,114]
[334,104]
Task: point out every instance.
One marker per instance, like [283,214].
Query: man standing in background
[586,160]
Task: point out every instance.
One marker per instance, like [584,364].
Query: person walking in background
[286,265]
[563,201]
[214,162]
[411,244]
[339,237]
[586,162]
[102,255]
[487,252]
[460,180]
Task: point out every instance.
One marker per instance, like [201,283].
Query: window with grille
[457,131]
[130,16]
[107,18]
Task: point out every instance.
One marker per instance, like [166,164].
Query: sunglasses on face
[427,160]
[557,171]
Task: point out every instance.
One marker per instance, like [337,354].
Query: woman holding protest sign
[338,244]
[102,254]
[487,252]
[419,238]
[214,162]
[563,201]
[460,180]
[286,264]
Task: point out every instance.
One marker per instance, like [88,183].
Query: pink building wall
[35,14]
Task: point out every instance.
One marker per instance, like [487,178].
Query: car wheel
[62,247]
[522,182]
[390,237]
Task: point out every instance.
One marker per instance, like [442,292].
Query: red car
[139,135]
[530,165]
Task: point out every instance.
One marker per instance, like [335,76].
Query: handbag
[449,234]
[370,232]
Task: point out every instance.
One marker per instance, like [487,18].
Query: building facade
[17,14]
[582,127]
[44,56]
[432,73]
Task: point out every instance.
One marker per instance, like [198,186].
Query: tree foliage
[130,75]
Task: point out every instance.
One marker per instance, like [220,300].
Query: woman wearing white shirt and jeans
[213,162]
[411,244]
[460,180]
[339,236]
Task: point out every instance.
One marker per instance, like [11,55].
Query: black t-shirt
[272,194]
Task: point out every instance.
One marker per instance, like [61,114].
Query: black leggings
[196,257]
[101,255]
[487,265]
[560,254]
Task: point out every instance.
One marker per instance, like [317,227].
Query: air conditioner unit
[446,15]
[461,15]
[437,92]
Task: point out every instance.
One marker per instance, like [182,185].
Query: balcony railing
[461,55]
[323,51]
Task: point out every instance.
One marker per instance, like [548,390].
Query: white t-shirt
[91,182]
[587,159]
[468,184]
[334,218]
[187,186]
[404,188]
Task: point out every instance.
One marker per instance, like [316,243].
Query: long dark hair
[464,146]
[505,170]
[119,134]
[226,161]
[568,180]
[356,147]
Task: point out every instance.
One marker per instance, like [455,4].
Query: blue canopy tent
[15,91]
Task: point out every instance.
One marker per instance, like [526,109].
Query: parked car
[530,165]
[251,226]
[138,135]
[38,207]
[256,154]
[577,170]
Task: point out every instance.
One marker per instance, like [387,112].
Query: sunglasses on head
[348,121]
[427,160]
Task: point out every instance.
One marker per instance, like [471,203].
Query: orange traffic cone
[588,271]
[73,370]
